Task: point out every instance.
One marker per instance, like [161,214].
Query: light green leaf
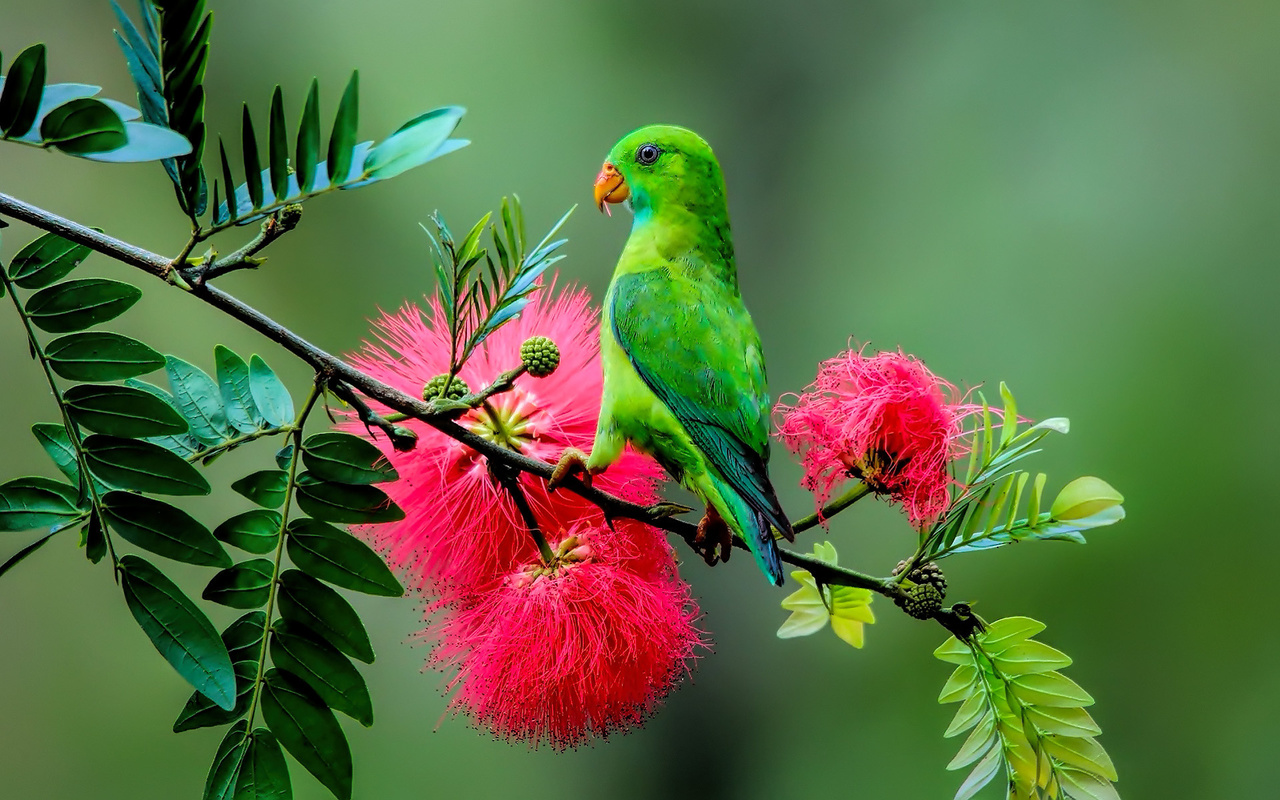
[416,142]
[1050,689]
[199,399]
[970,711]
[1083,498]
[1082,752]
[962,683]
[981,775]
[980,740]
[1063,721]
[1009,631]
[237,393]
[1085,785]
[1030,656]
[269,393]
[954,651]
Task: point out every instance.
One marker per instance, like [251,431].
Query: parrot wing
[695,347]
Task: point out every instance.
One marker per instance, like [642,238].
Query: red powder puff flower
[584,648]
[461,530]
[885,419]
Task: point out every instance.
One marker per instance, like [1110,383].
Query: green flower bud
[457,388]
[540,356]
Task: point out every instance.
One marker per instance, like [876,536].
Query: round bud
[435,387]
[540,356]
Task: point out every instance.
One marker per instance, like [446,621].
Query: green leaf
[33,502]
[268,488]
[1083,498]
[970,711]
[954,651]
[79,304]
[308,152]
[122,411]
[1063,721]
[1050,689]
[263,772]
[981,775]
[23,88]
[243,637]
[308,730]
[101,356]
[254,531]
[45,260]
[278,146]
[342,140]
[220,784]
[252,166]
[142,466]
[95,538]
[1007,632]
[229,181]
[324,552]
[1029,657]
[200,712]
[284,456]
[982,739]
[163,529]
[84,126]
[307,601]
[338,502]
[179,630]
[416,142]
[19,556]
[962,683]
[324,669]
[53,438]
[246,585]
[237,393]
[1085,785]
[199,400]
[269,393]
[1083,752]
[343,458]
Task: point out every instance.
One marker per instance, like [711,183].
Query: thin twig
[272,228]
[392,398]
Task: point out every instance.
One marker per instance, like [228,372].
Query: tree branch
[435,414]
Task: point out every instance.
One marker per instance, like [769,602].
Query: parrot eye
[647,154]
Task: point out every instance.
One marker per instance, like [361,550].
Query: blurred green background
[1079,199]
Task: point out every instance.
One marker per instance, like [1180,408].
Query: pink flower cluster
[548,653]
[885,419]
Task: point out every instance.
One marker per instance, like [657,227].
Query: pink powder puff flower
[885,419]
[461,530]
[585,648]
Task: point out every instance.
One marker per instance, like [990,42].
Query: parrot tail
[753,527]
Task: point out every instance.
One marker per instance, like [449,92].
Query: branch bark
[437,416]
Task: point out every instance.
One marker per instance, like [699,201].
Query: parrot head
[660,165]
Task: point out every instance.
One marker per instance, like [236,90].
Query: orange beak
[610,187]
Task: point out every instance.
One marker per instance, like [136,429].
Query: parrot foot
[572,463]
[713,534]
[664,510]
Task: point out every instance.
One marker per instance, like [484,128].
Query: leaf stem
[73,430]
[234,442]
[855,493]
[294,459]
[272,228]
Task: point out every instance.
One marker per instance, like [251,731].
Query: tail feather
[754,527]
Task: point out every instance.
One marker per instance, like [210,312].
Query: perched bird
[684,377]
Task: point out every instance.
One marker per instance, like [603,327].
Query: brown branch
[340,372]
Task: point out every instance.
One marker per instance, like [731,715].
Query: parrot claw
[572,463]
[713,534]
[664,510]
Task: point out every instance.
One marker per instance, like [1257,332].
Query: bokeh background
[1079,199]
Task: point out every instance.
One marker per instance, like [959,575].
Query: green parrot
[684,376]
